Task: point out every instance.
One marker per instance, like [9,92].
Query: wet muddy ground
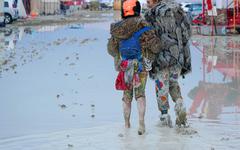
[83,16]
[57,91]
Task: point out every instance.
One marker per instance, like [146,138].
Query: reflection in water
[9,37]
[218,93]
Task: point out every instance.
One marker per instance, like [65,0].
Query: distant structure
[27,6]
[117,4]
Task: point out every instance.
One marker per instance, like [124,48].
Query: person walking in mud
[132,45]
[174,59]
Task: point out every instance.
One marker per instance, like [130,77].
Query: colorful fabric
[138,91]
[128,67]
[128,76]
[167,83]
[209,4]
[120,83]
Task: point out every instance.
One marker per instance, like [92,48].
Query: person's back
[174,59]
[174,28]
[125,29]
[132,44]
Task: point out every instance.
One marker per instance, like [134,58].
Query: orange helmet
[128,7]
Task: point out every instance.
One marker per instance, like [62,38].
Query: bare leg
[141,104]
[127,113]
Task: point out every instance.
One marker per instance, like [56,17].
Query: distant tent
[49,6]
[27,6]
[117,4]
[21,9]
[35,7]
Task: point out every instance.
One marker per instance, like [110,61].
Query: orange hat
[128,7]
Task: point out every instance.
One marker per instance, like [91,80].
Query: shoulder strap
[141,31]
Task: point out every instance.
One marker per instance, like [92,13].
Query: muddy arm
[113,45]
[150,42]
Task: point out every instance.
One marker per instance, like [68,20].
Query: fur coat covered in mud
[174,30]
[124,29]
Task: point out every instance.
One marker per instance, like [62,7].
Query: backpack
[131,48]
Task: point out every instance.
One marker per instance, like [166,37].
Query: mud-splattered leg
[141,105]
[127,112]
[175,92]
[162,91]
[127,100]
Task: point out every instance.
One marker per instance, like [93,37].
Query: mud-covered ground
[57,92]
[81,16]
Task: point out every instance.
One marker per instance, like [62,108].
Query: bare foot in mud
[127,125]
[165,121]
[186,131]
[141,129]
[181,119]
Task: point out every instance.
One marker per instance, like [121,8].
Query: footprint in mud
[70,146]
[63,106]
[72,64]
[13,67]
[84,41]
[66,74]
[56,43]
[200,116]
[59,41]
[72,41]
[75,103]
[225,139]
[5,62]
[90,77]
[88,40]
[120,135]
[186,131]
[93,111]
